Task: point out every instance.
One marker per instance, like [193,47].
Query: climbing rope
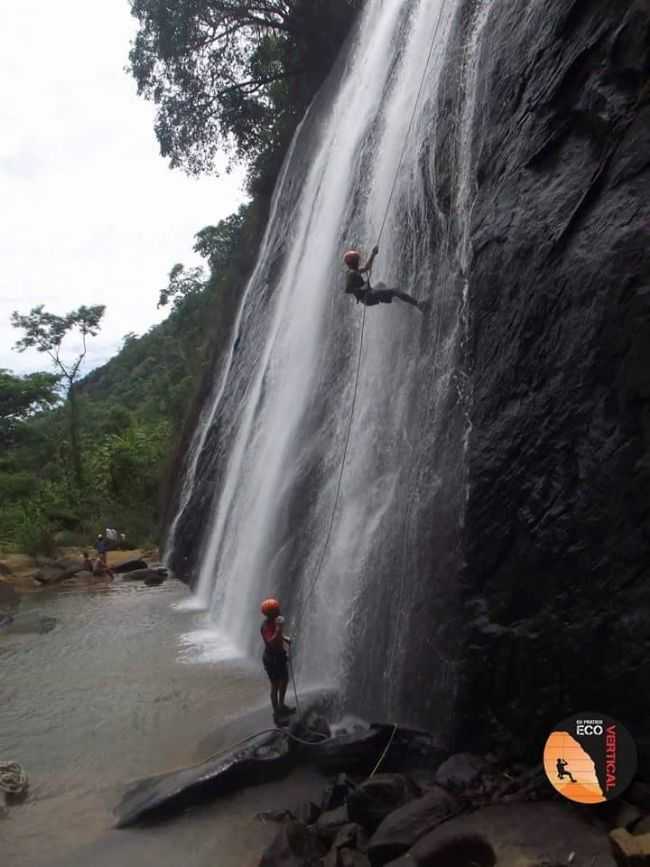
[341,470]
[385,752]
[13,778]
[292,737]
[293,680]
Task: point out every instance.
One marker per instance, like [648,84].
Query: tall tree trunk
[74,437]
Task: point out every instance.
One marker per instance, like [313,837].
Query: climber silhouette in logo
[356,285]
[562,771]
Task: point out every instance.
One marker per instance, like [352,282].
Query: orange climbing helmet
[270,607]
[352,259]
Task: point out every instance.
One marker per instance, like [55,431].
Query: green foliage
[232,75]
[35,538]
[218,244]
[21,397]
[223,73]
[28,522]
[182,284]
[46,332]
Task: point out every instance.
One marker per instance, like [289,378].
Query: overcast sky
[90,213]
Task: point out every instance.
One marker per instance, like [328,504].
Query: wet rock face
[557,529]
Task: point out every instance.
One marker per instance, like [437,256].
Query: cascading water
[380,619]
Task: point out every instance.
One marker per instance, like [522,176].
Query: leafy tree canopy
[183,283]
[46,332]
[232,75]
[21,397]
[217,244]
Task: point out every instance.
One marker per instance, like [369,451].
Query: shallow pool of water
[126,685]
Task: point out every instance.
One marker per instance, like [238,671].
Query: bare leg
[283,691]
[275,685]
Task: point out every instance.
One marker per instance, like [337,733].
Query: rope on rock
[13,778]
[385,752]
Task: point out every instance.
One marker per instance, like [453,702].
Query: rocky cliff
[557,530]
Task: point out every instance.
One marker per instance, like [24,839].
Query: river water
[125,686]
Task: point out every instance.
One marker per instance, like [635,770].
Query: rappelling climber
[275,659]
[356,285]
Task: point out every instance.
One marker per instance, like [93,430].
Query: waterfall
[382,620]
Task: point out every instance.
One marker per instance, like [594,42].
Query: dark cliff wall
[557,533]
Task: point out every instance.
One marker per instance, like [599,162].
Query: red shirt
[272,635]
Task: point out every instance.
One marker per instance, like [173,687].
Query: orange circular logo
[590,758]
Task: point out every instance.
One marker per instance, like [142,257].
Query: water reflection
[109,695]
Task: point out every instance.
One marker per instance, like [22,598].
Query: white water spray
[298,383]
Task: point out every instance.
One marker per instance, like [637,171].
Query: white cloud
[91,214]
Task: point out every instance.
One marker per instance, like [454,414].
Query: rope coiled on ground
[13,778]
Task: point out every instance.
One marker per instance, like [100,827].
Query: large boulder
[359,749]
[511,836]
[351,751]
[54,571]
[330,822]
[295,845]
[404,826]
[460,771]
[149,576]
[372,801]
[410,748]
[630,850]
[348,848]
[129,566]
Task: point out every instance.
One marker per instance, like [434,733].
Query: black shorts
[276,665]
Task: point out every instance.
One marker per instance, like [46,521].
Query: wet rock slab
[54,571]
[266,755]
[264,758]
[150,576]
[129,566]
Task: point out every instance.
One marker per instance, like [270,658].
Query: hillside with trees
[87,452]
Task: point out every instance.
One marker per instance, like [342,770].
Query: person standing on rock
[275,660]
[356,285]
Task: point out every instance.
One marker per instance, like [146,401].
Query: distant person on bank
[101,547]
